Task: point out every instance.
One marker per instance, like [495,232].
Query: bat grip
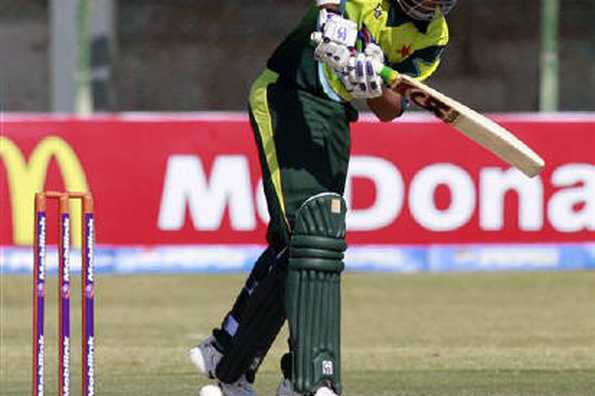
[389,76]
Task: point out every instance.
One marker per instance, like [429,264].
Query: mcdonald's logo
[25,178]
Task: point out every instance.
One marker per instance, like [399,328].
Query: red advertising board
[194,179]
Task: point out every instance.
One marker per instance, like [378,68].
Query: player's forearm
[388,106]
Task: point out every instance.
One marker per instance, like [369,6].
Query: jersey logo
[405,51]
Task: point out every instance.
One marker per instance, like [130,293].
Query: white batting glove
[335,40]
[334,55]
[361,78]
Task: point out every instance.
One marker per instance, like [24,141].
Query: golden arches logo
[25,178]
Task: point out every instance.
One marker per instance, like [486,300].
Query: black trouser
[303,144]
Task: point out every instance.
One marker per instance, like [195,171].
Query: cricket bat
[475,126]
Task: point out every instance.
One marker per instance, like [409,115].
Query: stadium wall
[182,193]
[193,48]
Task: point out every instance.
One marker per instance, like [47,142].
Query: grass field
[455,334]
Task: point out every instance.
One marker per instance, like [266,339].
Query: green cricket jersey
[410,47]
[300,111]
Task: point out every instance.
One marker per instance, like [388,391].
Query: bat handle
[389,76]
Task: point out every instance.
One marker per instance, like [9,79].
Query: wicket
[87,292]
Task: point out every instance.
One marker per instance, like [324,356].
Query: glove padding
[335,40]
[361,77]
[336,56]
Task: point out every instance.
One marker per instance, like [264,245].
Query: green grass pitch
[421,334]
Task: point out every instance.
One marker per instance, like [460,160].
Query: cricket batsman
[300,110]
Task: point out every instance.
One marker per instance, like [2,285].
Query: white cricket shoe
[210,390]
[286,389]
[238,388]
[206,357]
[324,391]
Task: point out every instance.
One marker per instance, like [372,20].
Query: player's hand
[334,55]
[334,40]
[361,77]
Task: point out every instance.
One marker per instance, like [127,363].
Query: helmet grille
[424,10]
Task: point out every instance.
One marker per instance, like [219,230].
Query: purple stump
[64,301]
[88,272]
[38,301]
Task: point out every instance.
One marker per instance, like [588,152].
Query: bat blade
[472,124]
[499,141]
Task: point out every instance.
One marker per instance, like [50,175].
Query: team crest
[405,51]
